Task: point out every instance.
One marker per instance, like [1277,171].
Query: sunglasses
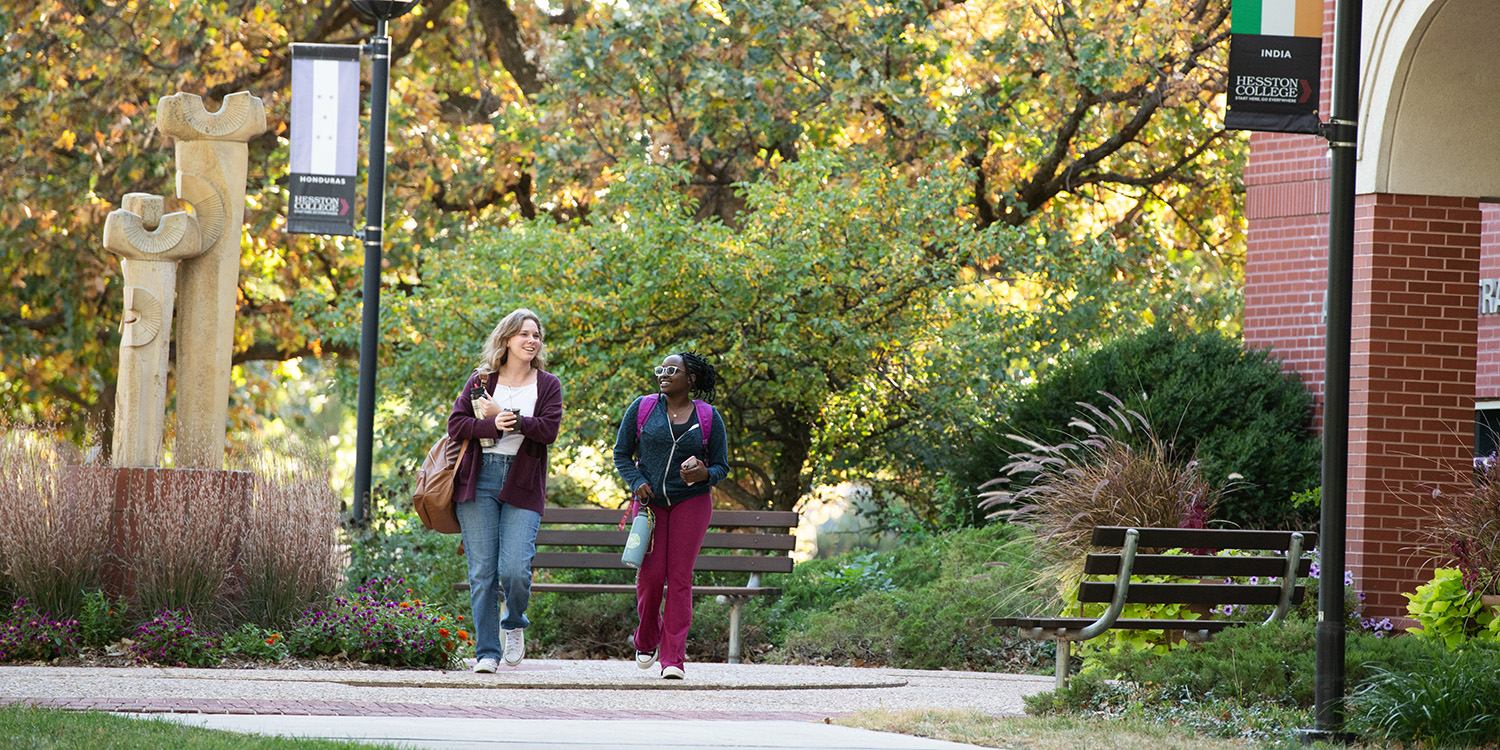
[667,371]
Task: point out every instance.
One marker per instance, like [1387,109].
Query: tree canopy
[1089,131]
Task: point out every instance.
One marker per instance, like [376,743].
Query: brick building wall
[1412,378]
[1416,362]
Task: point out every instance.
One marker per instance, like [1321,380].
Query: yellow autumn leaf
[65,141]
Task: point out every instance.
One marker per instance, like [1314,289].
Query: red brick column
[1411,400]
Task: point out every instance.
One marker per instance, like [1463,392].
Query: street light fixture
[373,235]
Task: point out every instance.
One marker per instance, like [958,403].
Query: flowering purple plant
[28,636]
[170,637]
[374,628]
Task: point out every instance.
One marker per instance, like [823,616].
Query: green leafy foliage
[397,545]
[925,621]
[254,642]
[1453,703]
[1091,138]
[102,619]
[1237,412]
[1449,613]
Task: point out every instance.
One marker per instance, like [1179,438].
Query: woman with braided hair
[671,450]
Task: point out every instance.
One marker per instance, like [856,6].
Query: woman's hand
[506,420]
[644,493]
[487,408]
[693,470]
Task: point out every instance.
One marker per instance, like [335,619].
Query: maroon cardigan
[526,485]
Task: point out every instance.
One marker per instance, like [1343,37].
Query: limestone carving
[150,244]
[212,159]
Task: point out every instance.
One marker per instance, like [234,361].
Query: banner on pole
[324,138]
[1275,65]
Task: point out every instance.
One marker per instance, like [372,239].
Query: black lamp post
[373,235]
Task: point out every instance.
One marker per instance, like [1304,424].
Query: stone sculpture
[151,245]
[212,159]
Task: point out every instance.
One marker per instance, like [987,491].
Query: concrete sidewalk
[542,703]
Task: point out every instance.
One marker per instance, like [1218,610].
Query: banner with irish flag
[1275,65]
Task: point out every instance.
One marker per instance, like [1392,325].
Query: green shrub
[1449,613]
[1236,411]
[102,618]
[933,614]
[254,642]
[396,545]
[1453,704]
[1262,663]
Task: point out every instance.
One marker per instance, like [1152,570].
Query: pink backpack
[705,416]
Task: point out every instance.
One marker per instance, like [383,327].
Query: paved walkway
[549,704]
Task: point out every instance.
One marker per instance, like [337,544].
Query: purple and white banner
[325,138]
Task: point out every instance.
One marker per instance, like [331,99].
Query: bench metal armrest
[1122,587]
[1288,580]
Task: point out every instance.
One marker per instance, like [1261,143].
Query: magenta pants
[675,542]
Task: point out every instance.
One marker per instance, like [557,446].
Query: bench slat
[1216,539]
[1187,593]
[629,588]
[1194,566]
[611,561]
[712,540]
[1074,623]
[771,519]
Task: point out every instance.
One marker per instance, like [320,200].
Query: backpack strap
[705,419]
[705,416]
[643,411]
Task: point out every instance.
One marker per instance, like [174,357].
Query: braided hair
[701,374]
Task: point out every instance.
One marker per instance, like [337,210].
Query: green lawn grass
[28,728]
[1060,732]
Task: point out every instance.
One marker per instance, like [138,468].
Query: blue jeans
[499,542]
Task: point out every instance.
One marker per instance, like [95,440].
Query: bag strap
[644,411]
[704,410]
[705,419]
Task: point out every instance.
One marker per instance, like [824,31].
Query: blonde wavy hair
[495,352]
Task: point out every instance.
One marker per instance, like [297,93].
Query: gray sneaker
[487,665]
[672,673]
[515,646]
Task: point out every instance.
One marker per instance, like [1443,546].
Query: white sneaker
[515,646]
[486,665]
[645,659]
[672,673]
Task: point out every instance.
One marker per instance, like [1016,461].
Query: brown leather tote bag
[433,495]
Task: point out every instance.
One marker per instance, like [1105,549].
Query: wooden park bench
[1127,565]
[743,541]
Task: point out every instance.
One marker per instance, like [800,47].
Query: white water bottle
[639,538]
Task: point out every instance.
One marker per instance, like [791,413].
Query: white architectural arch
[1430,98]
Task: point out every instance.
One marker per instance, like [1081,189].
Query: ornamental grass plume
[289,555]
[1464,528]
[185,527]
[54,520]
[1119,474]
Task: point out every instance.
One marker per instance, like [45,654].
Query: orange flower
[460,618]
[463,635]
[270,641]
[443,632]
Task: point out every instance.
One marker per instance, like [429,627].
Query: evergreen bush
[1236,411]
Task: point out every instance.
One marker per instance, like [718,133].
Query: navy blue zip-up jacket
[653,457]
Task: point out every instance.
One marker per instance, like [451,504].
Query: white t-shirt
[521,397]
